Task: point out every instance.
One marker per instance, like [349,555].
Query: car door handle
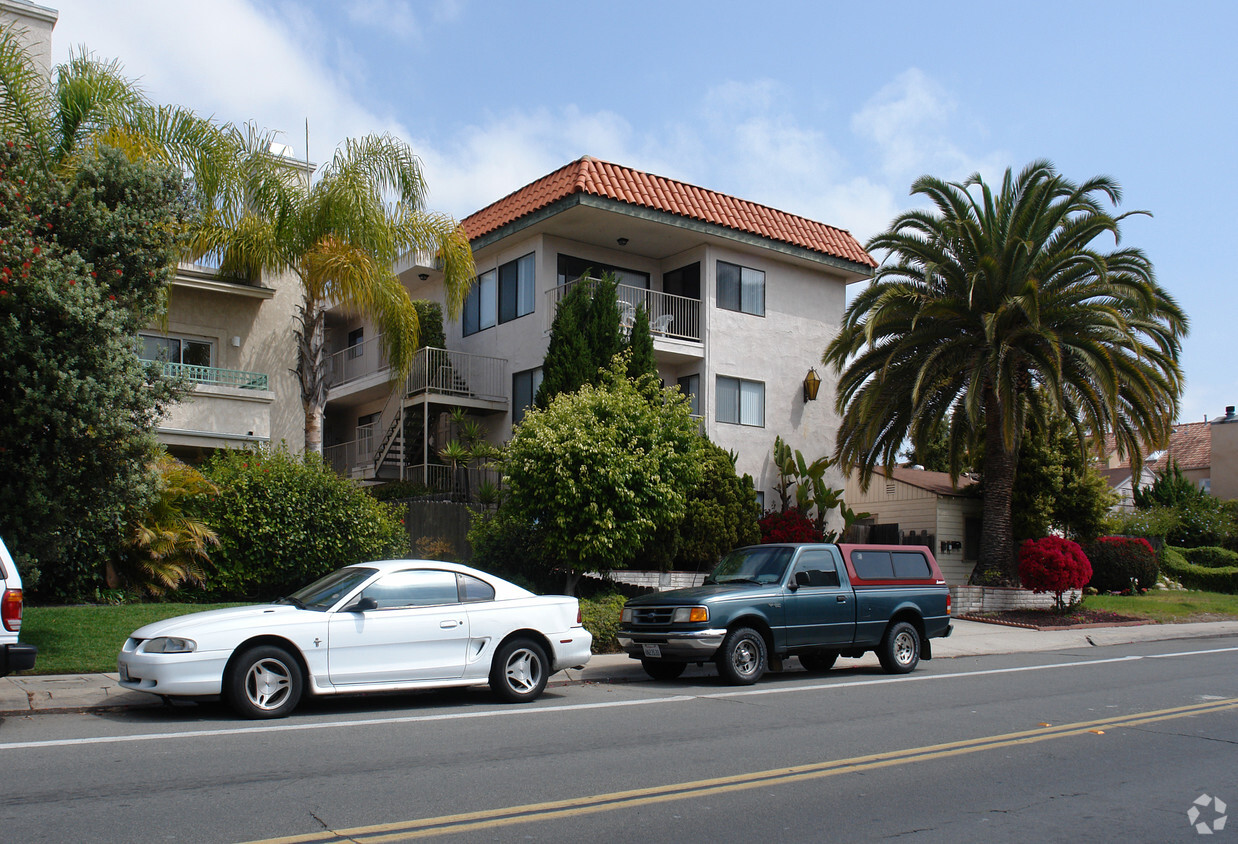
[447,625]
[842,599]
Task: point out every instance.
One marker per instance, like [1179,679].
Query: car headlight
[626,616]
[170,645]
[689,614]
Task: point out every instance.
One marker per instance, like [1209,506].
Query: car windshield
[752,565]
[325,592]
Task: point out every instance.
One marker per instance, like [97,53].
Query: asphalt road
[1100,744]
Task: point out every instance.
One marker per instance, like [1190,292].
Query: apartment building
[742,300]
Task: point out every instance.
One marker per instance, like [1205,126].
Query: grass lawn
[86,639]
[1169,607]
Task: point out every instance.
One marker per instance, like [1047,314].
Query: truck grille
[652,615]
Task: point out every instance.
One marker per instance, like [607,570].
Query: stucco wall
[1224,471]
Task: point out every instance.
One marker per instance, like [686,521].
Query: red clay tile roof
[599,178]
[1190,446]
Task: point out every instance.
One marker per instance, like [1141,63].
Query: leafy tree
[721,511]
[284,520]
[1055,487]
[340,236]
[585,336]
[1170,488]
[595,474]
[996,308]
[91,104]
[83,266]
[642,360]
[1053,564]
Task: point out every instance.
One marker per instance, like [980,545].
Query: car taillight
[579,618]
[10,610]
[947,603]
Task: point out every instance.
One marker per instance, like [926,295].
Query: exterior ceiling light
[423,276]
[623,241]
[812,383]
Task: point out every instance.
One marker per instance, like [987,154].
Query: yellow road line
[472,821]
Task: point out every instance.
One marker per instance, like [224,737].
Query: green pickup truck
[812,601]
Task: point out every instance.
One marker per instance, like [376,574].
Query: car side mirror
[362,605]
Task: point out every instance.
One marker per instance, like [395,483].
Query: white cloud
[393,17]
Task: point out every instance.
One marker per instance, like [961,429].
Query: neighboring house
[742,298]
[1190,447]
[1223,474]
[916,507]
[233,342]
[33,25]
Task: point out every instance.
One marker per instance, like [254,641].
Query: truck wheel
[741,659]
[900,649]
[818,662]
[661,669]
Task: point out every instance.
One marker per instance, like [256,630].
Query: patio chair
[661,324]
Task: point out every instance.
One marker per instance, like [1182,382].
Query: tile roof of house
[1190,446]
[600,178]
[938,482]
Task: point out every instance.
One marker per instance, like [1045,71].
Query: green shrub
[1194,576]
[1210,557]
[397,490]
[285,520]
[601,618]
[1117,561]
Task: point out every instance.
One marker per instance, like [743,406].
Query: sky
[828,110]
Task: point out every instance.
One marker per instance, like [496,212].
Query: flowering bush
[1053,564]
[1122,564]
[788,526]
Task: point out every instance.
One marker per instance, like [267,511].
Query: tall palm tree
[340,234]
[995,310]
[89,102]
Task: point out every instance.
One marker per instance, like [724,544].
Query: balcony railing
[433,370]
[218,377]
[672,316]
[356,362]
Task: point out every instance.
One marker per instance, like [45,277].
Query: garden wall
[660,581]
[977,599]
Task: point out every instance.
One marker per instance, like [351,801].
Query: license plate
[124,672]
[653,651]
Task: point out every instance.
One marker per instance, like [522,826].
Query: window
[690,386]
[181,350]
[571,269]
[516,288]
[741,402]
[416,588]
[473,590]
[356,338]
[500,295]
[685,281]
[884,565]
[524,390]
[816,567]
[741,289]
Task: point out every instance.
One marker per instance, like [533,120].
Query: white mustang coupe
[392,625]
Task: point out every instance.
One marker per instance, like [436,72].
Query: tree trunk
[571,581]
[997,558]
[312,370]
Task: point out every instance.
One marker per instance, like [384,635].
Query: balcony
[434,371]
[217,377]
[671,317]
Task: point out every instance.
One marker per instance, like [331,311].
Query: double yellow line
[493,818]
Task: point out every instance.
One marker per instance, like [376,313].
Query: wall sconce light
[812,383]
[623,241]
[236,341]
[423,276]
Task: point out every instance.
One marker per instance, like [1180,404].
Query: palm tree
[340,234]
[995,311]
[90,103]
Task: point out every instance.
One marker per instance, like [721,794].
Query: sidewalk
[31,695]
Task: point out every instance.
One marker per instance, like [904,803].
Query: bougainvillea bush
[1053,564]
[788,526]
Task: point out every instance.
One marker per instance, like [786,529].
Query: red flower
[94,274]
[72,282]
[36,250]
[112,298]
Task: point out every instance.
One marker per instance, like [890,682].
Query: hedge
[601,618]
[1193,576]
[1119,560]
[1210,557]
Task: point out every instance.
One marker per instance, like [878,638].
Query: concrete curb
[71,693]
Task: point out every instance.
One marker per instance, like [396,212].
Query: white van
[14,656]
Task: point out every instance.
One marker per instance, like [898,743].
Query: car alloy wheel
[900,650]
[264,682]
[519,671]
